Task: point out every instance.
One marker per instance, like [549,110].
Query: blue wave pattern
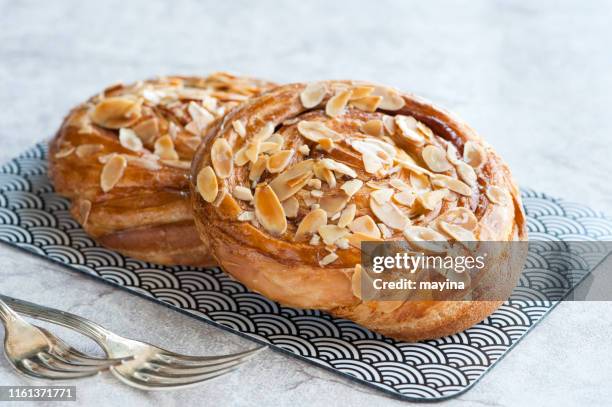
[34,218]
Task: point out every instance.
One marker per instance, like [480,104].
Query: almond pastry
[392,167]
[123,158]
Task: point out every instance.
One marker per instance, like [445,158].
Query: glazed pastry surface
[287,186]
[123,158]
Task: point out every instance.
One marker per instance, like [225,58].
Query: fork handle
[96,332]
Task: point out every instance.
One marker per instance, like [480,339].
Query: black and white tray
[34,218]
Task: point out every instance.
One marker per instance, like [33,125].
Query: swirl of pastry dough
[290,183]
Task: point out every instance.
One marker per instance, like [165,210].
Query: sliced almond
[452,154]
[252,150]
[498,195]
[292,180]
[182,164]
[201,119]
[84,211]
[310,224]
[451,183]
[64,152]
[457,232]
[242,193]
[405,197]
[466,173]
[460,216]
[420,183]
[148,130]
[435,158]
[367,103]
[258,168]
[336,104]
[116,112]
[269,211]
[338,167]
[326,144]
[474,154]
[424,238]
[355,239]
[378,184]
[399,184]
[315,240]
[304,149]
[313,94]
[331,233]
[265,132]
[239,128]
[359,92]
[382,196]
[240,158]
[86,150]
[371,163]
[268,147]
[342,243]
[391,99]
[291,207]
[389,124]
[315,183]
[164,148]
[389,214]
[314,131]
[408,128]
[112,172]
[352,187]
[365,225]
[324,174]
[373,128]
[207,184]
[222,158]
[192,142]
[347,216]
[316,193]
[246,216]
[279,161]
[128,139]
[385,231]
[334,202]
[330,258]
[430,200]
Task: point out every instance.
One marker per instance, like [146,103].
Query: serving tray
[34,218]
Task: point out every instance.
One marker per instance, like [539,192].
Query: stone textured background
[532,77]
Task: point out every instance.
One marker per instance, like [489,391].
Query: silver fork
[37,353]
[151,367]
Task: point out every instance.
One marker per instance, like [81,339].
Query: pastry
[287,186]
[123,158]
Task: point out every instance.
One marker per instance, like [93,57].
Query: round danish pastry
[289,184]
[123,158]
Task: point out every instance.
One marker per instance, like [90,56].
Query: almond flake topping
[336,104]
[239,128]
[389,214]
[430,200]
[425,239]
[333,202]
[474,154]
[314,131]
[64,152]
[367,103]
[405,197]
[112,172]
[86,150]
[347,216]
[457,232]
[365,225]
[116,112]
[291,207]
[201,119]
[269,211]
[352,187]
[498,195]
[207,184]
[460,216]
[398,184]
[371,163]
[324,174]
[385,231]
[420,182]
[338,167]
[84,210]
[304,149]
[292,180]
[246,216]
[313,94]
[182,164]
[326,144]
[451,183]
[435,158]
[330,258]
[128,139]
[315,183]
[408,127]
[466,173]
[164,148]
[391,99]
[382,195]
[331,233]
[242,193]
[258,168]
[373,128]
[279,161]
[310,224]
[361,92]
[221,157]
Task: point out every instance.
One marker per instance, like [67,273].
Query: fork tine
[40,371]
[172,358]
[54,362]
[153,380]
[186,370]
[68,359]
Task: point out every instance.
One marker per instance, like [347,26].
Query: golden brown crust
[414,165]
[123,158]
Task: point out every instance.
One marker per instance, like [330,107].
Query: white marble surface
[532,77]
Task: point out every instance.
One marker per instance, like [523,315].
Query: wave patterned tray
[34,218]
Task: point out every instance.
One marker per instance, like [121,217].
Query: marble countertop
[532,77]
